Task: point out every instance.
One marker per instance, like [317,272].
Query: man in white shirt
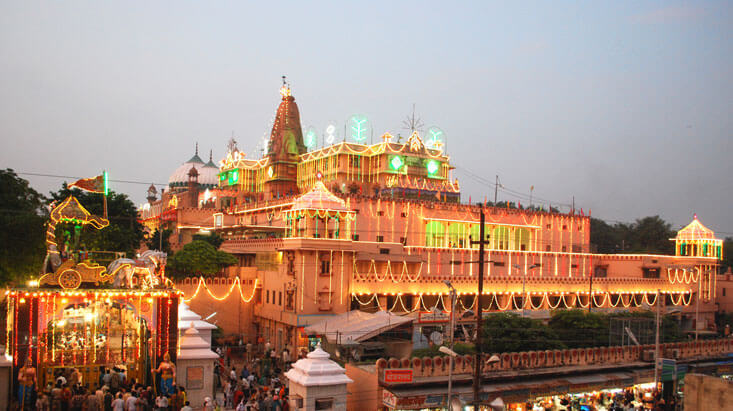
[162,402]
[131,401]
[118,404]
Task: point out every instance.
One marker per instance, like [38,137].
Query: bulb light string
[512,301]
[237,283]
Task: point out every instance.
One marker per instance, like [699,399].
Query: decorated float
[81,318]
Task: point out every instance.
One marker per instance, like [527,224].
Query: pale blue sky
[625,105]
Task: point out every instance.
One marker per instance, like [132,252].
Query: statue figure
[26,384]
[167,371]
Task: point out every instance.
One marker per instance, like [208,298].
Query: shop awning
[355,326]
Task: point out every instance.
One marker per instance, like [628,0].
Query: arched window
[501,238]
[434,234]
[521,239]
[457,235]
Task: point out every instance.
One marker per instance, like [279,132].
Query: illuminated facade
[381,226]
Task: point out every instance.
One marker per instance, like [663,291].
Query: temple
[382,226]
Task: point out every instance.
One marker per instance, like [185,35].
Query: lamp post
[444,349]
[524,283]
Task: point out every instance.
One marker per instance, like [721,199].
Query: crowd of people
[116,393]
[628,399]
[258,385]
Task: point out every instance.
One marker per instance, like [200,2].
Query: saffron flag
[94,184]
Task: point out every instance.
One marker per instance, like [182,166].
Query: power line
[77,178]
[474,176]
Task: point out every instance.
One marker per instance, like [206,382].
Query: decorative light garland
[202,286]
[511,301]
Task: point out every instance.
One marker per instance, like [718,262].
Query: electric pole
[656,342]
[496,193]
[479,309]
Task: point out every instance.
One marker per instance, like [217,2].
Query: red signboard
[398,375]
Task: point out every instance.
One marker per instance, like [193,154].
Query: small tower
[193,187]
[152,194]
[317,383]
[696,240]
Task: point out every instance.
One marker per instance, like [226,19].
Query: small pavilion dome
[319,198]
[695,231]
[317,370]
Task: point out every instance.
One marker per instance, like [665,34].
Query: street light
[445,349]
[524,283]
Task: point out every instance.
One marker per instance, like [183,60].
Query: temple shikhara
[379,227]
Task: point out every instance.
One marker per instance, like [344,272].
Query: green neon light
[396,163]
[106,183]
[358,131]
[432,167]
[310,139]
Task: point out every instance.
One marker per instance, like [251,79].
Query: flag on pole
[94,184]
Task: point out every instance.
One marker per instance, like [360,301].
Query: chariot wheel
[70,279]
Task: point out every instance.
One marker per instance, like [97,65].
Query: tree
[508,332]
[124,232]
[603,236]
[213,239]
[154,242]
[645,235]
[727,254]
[579,328]
[199,258]
[652,235]
[22,237]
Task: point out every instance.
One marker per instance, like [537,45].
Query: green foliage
[727,254]
[213,239]
[605,237]
[645,235]
[22,237]
[579,328]
[508,332]
[432,351]
[199,258]
[124,232]
[669,328]
[154,242]
[721,320]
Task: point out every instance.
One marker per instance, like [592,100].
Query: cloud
[668,15]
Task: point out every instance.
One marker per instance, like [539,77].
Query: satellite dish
[436,338]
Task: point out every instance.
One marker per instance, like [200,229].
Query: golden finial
[285,89]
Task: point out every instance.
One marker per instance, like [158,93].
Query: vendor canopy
[356,326]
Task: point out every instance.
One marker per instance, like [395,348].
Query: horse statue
[124,269]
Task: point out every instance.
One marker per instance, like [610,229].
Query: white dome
[208,173]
